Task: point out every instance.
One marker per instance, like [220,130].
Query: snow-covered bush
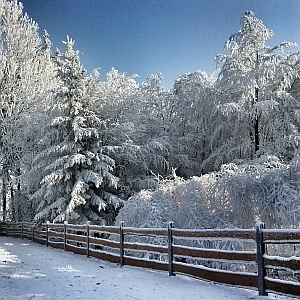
[239,195]
[261,190]
[188,203]
[144,210]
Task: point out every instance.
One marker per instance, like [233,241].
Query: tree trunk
[4,200]
[255,125]
[256,133]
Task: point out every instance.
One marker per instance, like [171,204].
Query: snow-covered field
[33,271]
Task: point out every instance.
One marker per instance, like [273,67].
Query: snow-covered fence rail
[80,239]
[281,260]
[213,255]
[22,230]
[263,258]
[145,247]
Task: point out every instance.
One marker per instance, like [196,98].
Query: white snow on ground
[32,271]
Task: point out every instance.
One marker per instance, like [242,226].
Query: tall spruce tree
[77,184]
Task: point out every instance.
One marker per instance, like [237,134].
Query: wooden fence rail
[263,258]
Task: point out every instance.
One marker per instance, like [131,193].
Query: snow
[275,257]
[32,271]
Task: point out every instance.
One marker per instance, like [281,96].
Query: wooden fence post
[47,233]
[121,244]
[170,249]
[260,251]
[65,235]
[88,238]
[32,232]
[22,230]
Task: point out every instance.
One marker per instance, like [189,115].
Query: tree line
[216,150]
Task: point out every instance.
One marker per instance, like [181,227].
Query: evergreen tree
[77,183]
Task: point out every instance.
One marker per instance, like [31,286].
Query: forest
[216,151]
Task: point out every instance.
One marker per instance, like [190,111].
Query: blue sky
[151,36]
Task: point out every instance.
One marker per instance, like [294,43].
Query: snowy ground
[33,271]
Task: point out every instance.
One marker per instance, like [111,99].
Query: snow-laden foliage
[73,145]
[135,134]
[261,190]
[185,202]
[26,79]
[255,108]
[188,203]
[145,210]
[76,173]
[240,194]
[190,122]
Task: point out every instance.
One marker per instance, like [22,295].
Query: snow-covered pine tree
[77,183]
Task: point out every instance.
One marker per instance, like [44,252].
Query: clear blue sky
[151,36]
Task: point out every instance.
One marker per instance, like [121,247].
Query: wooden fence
[265,259]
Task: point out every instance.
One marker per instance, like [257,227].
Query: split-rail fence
[266,259]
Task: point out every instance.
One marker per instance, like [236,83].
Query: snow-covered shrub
[145,211]
[239,195]
[262,190]
[188,203]
[199,205]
